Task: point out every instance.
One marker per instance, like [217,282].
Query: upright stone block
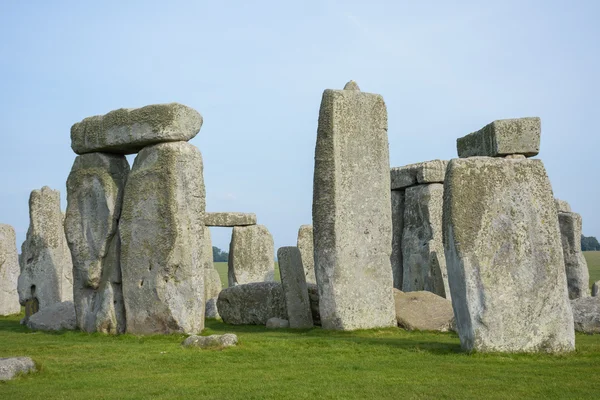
[578,275]
[251,255]
[9,271]
[212,280]
[162,231]
[306,247]
[352,211]
[294,288]
[504,256]
[94,197]
[397,231]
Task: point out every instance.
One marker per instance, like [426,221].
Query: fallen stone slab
[420,173]
[56,317]
[212,341]
[128,130]
[252,303]
[586,314]
[423,311]
[278,323]
[13,366]
[9,271]
[229,219]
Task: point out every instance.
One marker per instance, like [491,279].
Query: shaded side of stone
[397,231]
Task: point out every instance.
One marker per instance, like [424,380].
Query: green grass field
[593,262]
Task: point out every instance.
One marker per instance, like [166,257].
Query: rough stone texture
[424,263]
[578,276]
[94,196]
[251,255]
[306,246]
[420,173]
[586,314]
[313,296]
[294,288]
[397,231]
[423,311]
[596,288]
[9,271]
[278,323]
[562,206]
[503,137]
[162,232]
[56,317]
[352,212]
[252,303]
[212,341]
[212,280]
[46,267]
[11,367]
[504,257]
[127,131]
[229,219]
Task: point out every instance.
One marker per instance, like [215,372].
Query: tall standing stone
[398,197]
[94,197]
[352,211]
[161,231]
[295,291]
[46,267]
[251,255]
[212,280]
[578,275]
[306,246]
[9,271]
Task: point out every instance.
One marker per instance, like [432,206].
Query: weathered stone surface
[420,173]
[578,276]
[313,296]
[596,288]
[94,197]
[212,280]
[278,323]
[352,212]
[162,231]
[294,288]
[503,137]
[306,246]
[252,303]
[212,341]
[207,251]
[586,314]
[56,317]
[562,206]
[229,219]
[11,367]
[46,267]
[397,232]
[127,131]
[9,271]
[424,263]
[503,252]
[423,311]
[251,255]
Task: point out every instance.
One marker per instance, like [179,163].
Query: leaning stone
[278,323]
[212,341]
[162,231]
[562,206]
[596,289]
[252,303]
[578,275]
[127,131]
[228,219]
[423,311]
[56,317]
[504,257]
[586,314]
[9,271]
[46,267]
[294,288]
[251,255]
[306,247]
[503,137]
[14,366]
[352,212]
[397,231]
[420,173]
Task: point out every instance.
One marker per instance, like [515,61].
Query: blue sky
[256,72]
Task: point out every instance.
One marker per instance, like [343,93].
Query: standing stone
[423,262]
[9,271]
[94,198]
[352,211]
[294,288]
[251,255]
[306,246]
[504,257]
[397,231]
[46,267]
[161,231]
[578,275]
[596,288]
[212,280]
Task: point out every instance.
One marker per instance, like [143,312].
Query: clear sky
[256,71]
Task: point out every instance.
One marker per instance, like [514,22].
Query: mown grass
[593,262]
[222,268]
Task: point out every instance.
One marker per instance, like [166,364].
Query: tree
[219,255]
[589,243]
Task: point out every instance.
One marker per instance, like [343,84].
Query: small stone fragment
[11,367]
[212,341]
[9,271]
[227,219]
[56,317]
[278,323]
[423,311]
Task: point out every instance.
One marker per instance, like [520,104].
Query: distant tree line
[589,243]
[219,255]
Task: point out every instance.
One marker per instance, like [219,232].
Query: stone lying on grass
[11,367]
[252,303]
[586,314]
[212,341]
[277,323]
[424,311]
[57,317]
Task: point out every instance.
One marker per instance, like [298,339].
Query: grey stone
[207,251]
[56,317]
[562,206]
[278,323]
[306,246]
[127,131]
[352,212]
[397,231]
[578,276]
[596,289]
[94,198]
[313,297]
[586,314]
[424,263]
[212,341]
[9,271]
[420,173]
[229,219]
[252,303]
[424,311]
[251,255]
[14,366]
[211,309]
[212,280]
[503,137]
[504,257]
[46,267]
[294,288]
[161,230]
